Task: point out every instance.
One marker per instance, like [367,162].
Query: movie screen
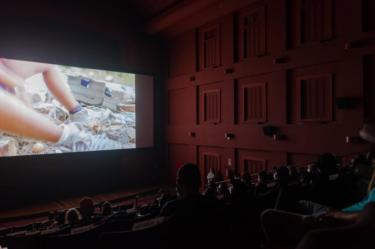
[47,109]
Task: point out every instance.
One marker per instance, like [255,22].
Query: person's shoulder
[169,207]
[372,194]
[209,200]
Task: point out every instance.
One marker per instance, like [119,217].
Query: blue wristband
[75,109]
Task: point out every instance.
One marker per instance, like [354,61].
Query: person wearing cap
[287,228]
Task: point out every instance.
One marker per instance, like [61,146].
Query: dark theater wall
[239,66]
[85,35]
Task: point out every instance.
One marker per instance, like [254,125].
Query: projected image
[48,109]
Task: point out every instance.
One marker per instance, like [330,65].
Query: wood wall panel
[368,18]
[307,138]
[182,57]
[268,158]
[348,18]
[209,48]
[252,32]
[220,159]
[342,78]
[336,55]
[252,100]
[276,21]
[300,159]
[210,106]
[228,32]
[315,21]
[181,112]
[220,94]
[277,98]
[311,21]
[213,39]
[314,98]
[180,154]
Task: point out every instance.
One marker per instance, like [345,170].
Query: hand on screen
[21,94]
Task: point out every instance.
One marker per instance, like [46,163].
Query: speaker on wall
[269,130]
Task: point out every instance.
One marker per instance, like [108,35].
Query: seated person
[315,216]
[87,208]
[72,216]
[106,209]
[246,178]
[286,228]
[358,235]
[189,198]
[292,170]
[282,176]
[211,176]
[192,218]
[211,190]
[285,190]
[261,186]
[313,172]
[223,192]
[303,177]
[327,164]
[329,186]
[236,187]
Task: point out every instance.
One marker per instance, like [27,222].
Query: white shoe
[76,139]
[96,142]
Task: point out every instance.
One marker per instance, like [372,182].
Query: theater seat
[149,237]
[357,236]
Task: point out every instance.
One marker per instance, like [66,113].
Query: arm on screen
[10,79]
[57,86]
[18,119]
[14,72]
[14,83]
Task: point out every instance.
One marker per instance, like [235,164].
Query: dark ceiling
[149,9]
[145,9]
[132,14]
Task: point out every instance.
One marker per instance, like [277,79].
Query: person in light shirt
[287,228]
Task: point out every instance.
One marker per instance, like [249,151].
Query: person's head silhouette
[188,180]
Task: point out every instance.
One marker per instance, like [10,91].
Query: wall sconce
[269,130]
[228,71]
[274,132]
[191,134]
[229,136]
[279,60]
